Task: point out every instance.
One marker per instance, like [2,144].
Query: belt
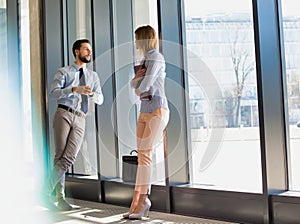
[69,109]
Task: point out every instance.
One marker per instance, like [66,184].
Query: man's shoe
[63,204]
[47,202]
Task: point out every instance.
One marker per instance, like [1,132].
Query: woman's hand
[138,77]
[137,92]
[140,73]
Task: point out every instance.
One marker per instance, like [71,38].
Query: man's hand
[84,90]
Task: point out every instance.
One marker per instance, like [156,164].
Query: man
[74,87]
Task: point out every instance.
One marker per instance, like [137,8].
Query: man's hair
[77,45]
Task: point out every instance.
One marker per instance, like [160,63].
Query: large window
[78,28]
[17,160]
[291,31]
[223,106]
[126,56]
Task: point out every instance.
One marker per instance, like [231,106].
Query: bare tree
[229,107]
[243,65]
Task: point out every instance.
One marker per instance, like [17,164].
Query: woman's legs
[139,132]
[149,133]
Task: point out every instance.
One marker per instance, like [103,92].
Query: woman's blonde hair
[146,36]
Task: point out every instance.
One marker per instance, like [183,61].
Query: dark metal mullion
[260,112]
[183,81]
[64,38]
[64,31]
[165,142]
[114,93]
[272,135]
[97,125]
[44,83]
[185,86]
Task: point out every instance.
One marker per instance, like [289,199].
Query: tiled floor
[91,212]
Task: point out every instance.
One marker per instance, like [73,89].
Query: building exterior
[214,39]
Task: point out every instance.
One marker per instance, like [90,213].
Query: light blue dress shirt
[153,80]
[68,77]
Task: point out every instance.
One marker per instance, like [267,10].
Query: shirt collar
[151,51]
[77,67]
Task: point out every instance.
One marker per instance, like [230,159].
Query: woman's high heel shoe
[144,211]
[126,215]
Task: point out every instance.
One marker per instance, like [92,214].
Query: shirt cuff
[138,92]
[68,91]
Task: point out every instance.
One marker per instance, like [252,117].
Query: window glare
[26,78]
[291,32]
[219,35]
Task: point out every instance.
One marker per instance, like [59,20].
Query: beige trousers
[68,131]
[149,133]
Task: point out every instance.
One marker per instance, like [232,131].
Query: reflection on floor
[92,212]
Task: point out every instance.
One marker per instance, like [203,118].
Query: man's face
[85,53]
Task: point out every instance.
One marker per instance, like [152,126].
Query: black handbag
[129,167]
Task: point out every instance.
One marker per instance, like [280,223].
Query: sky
[205,7]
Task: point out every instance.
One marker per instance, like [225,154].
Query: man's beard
[83,59]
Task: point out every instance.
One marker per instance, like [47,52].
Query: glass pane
[26,79]
[3,38]
[126,56]
[222,90]
[291,31]
[123,52]
[78,28]
[145,12]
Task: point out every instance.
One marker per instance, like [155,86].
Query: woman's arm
[135,82]
[154,68]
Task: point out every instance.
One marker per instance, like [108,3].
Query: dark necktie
[84,98]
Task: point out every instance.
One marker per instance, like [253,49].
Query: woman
[149,84]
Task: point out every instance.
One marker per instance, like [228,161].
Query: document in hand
[146,95]
[138,67]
